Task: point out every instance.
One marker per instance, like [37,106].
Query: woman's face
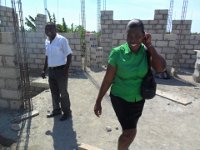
[135,36]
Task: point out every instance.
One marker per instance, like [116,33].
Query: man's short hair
[51,24]
[135,23]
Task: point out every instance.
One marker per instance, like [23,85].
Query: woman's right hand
[97,109]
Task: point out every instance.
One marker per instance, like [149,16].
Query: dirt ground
[164,125]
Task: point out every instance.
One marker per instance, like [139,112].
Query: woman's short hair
[135,23]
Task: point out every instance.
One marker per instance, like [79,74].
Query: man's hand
[147,40]
[97,109]
[43,74]
[66,70]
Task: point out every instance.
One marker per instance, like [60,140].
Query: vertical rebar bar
[22,54]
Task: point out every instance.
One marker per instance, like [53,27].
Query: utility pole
[170,13]
[98,15]
[45,7]
[83,20]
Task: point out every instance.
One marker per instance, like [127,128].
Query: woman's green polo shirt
[131,68]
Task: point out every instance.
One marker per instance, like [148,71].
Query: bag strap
[148,59]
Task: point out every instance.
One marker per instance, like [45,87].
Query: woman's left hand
[147,40]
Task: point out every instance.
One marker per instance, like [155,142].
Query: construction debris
[174,97]
[84,146]
[25,116]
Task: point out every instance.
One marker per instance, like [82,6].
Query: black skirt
[128,113]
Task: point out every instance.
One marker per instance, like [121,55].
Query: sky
[123,10]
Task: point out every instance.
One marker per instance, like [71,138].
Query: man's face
[135,36]
[50,31]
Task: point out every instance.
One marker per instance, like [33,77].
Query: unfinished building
[112,34]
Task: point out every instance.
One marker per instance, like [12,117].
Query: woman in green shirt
[127,65]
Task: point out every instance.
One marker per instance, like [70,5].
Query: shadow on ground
[7,136]
[173,82]
[63,139]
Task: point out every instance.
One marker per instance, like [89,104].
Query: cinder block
[77,47]
[10,61]
[10,94]
[33,66]
[197,47]
[168,50]
[12,73]
[171,37]
[117,36]
[9,50]
[161,43]
[7,37]
[108,22]
[162,22]
[185,56]
[157,37]
[16,105]
[12,84]
[4,103]
[189,46]
[194,42]
[39,61]
[2,83]
[169,56]
[75,41]
[33,56]
[169,62]
[191,52]
[172,43]
[190,61]
[77,64]
[158,26]
[153,22]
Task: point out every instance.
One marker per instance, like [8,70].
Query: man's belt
[57,67]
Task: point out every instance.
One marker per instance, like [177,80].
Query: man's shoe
[54,113]
[65,117]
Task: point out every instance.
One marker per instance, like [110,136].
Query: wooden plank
[25,116]
[84,146]
[184,100]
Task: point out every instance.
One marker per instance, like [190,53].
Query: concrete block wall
[75,44]
[36,50]
[94,54]
[6,19]
[187,42]
[113,34]
[163,43]
[110,26]
[91,40]
[40,22]
[94,57]
[35,40]
[10,93]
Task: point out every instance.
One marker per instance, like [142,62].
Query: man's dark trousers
[58,85]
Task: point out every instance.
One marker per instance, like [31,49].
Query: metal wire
[22,54]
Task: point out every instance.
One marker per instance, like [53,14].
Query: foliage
[30,22]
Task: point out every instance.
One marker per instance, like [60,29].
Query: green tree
[30,22]
[49,16]
[64,26]
[54,18]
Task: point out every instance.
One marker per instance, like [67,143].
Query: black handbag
[148,86]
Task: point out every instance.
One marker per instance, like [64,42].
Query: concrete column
[10,93]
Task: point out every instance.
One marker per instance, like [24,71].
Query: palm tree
[30,22]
